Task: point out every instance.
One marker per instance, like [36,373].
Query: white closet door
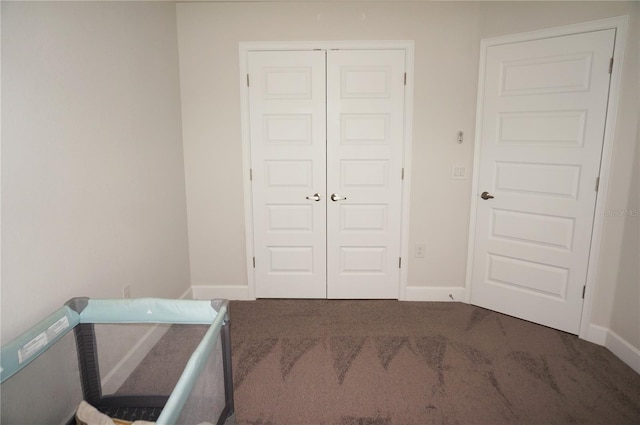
[365,103]
[287,116]
[543,120]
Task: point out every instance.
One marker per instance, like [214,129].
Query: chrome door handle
[335,197]
[315,197]
[486,195]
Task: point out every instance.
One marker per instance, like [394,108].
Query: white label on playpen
[32,347]
[58,327]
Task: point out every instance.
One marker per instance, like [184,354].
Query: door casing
[244,48]
[620,24]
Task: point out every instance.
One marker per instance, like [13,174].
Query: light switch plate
[459,172]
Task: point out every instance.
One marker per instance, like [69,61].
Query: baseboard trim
[228,292]
[187,295]
[616,344]
[623,350]
[596,334]
[125,367]
[434,293]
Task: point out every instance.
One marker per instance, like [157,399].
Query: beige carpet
[313,362]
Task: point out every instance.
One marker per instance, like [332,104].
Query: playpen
[49,370]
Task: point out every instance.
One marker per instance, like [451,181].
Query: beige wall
[93,193]
[445,96]
[447,37]
[93,190]
[626,303]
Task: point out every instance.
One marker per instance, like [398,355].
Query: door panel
[365,101]
[287,116]
[543,122]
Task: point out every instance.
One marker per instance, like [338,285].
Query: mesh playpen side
[167,361]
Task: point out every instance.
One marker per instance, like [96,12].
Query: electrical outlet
[420,248]
[126,291]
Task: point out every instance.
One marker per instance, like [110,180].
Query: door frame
[244,49]
[620,25]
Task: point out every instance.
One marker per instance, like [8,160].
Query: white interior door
[365,101]
[326,186]
[542,127]
[288,139]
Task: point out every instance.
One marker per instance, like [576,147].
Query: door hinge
[399,262]
[611,66]
[251,174]
[597,183]
[405,78]
[403,174]
[254,262]
[247,80]
[584,289]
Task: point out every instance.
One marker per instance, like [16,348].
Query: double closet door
[326,130]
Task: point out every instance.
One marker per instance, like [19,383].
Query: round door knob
[486,195]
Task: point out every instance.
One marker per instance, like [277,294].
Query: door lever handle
[486,195]
[315,197]
[335,197]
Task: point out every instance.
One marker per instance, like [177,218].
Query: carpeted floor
[161,368]
[333,362]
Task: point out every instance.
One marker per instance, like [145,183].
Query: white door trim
[620,24]
[244,48]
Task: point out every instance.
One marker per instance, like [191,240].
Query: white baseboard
[187,295]
[623,350]
[228,292]
[434,293]
[123,369]
[616,344]
[412,293]
[596,334]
